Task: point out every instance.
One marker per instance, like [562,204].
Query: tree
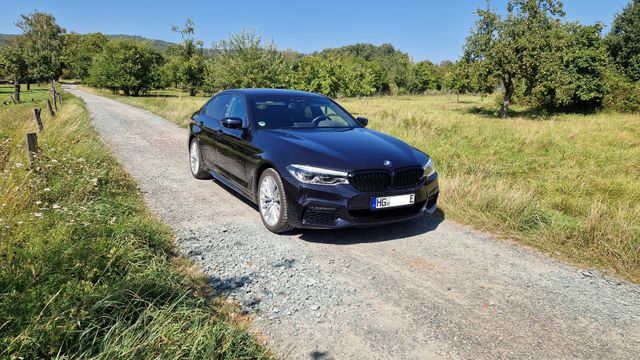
[78,53]
[624,40]
[573,74]
[42,39]
[243,62]
[13,66]
[128,66]
[424,77]
[187,63]
[512,48]
[392,67]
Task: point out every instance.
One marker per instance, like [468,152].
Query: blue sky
[427,29]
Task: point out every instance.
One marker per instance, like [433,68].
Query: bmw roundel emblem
[387,163]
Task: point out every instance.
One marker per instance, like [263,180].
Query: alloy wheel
[269,201]
[194,157]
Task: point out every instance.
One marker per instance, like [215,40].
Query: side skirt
[230,185]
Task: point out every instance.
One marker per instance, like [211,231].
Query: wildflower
[55,206]
[19,165]
[47,189]
[38,215]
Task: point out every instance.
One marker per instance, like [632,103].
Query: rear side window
[217,107]
[237,108]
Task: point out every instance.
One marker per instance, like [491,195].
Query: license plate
[383,202]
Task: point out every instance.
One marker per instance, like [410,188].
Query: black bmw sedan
[306,162]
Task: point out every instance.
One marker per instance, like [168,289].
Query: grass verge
[566,184]
[85,270]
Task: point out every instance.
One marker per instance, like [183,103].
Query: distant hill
[4,38]
[160,45]
[155,43]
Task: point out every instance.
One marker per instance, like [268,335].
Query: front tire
[195,161]
[272,202]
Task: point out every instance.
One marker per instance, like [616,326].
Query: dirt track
[424,289]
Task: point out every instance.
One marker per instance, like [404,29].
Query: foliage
[332,77]
[185,66]
[514,48]
[396,65]
[622,95]
[42,43]
[242,61]
[78,53]
[126,66]
[13,66]
[424,77]
[624,40]
[85,270]
[572,74]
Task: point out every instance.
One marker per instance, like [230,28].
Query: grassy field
[37,96]
[85,270]
[566,184]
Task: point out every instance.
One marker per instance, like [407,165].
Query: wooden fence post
[50,108]
[36,115]
[55,100]
[60,98]
[32,144]
[15,102]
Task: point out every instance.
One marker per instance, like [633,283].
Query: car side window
[217,107]
[237,108]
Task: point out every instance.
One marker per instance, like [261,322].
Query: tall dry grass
[567,184]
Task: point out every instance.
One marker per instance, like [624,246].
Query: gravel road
[425,289]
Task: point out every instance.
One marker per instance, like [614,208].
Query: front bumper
[334,207]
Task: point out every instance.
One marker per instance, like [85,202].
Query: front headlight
[429,168]
[315,175]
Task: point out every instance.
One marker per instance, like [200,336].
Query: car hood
[342,149]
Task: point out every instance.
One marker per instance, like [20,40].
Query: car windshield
[284,112]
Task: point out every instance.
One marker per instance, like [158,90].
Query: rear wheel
[195,161]
[273,202]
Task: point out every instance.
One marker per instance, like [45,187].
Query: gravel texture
[429,288]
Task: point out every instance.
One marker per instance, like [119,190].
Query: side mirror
[232,122]
[363,121]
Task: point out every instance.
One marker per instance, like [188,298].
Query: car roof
[273,92]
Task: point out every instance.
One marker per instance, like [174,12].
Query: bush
[623,95]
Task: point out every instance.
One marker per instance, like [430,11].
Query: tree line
[529,55]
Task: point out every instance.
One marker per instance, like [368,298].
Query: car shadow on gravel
[391,232]
[235,194]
